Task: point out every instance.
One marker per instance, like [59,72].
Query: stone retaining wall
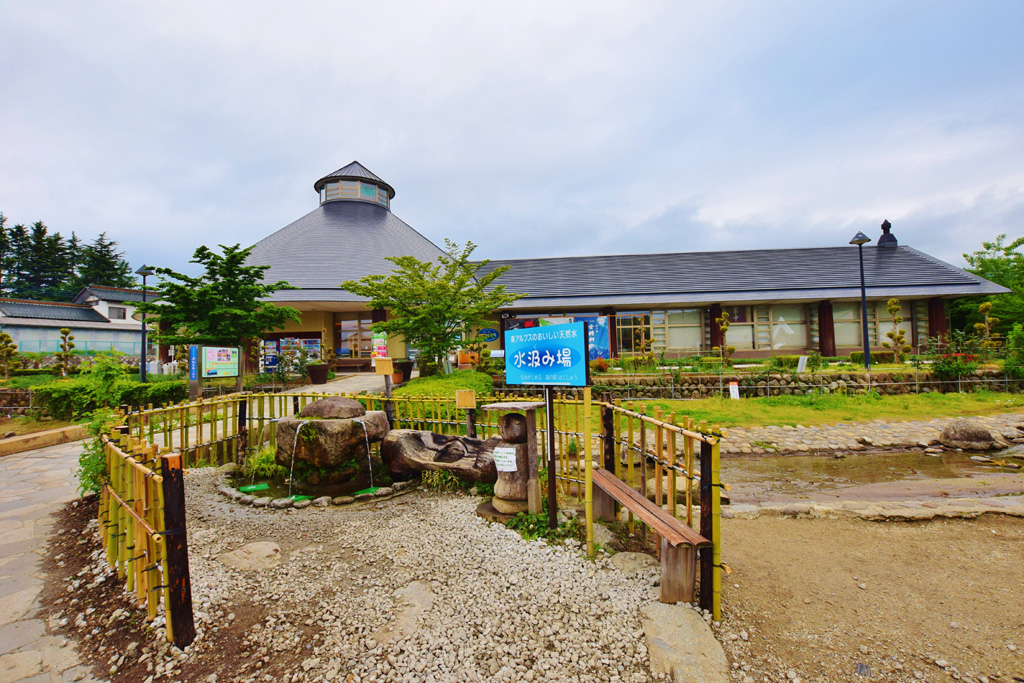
[14,401]
[681,386]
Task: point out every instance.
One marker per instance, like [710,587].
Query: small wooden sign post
[466,400]
[386,366]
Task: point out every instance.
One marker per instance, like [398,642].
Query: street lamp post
[860,239]
[145,271]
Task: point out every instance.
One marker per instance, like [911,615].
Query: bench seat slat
[667,526]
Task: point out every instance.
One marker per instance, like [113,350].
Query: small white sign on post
[801,365]
[505,458]
[734,390]
[498,353]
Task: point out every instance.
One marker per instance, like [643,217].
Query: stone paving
[33,486]
[856,436]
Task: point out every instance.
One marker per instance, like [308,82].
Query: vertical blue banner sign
[554,355]
[597,336]
[193,363]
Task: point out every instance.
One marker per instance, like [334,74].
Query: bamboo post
[643,472]
[589,486]
[179,609]
[672,488]
[716,530]
[629,461]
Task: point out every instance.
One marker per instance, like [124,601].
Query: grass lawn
[834,408]
[26,425]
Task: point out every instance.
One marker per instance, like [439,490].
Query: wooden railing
[142,526]
[635,446]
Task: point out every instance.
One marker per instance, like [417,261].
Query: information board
[554,355]
[505,458]
[220,361]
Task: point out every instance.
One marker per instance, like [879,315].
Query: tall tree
[100,263]
[1002,263]
[434,304]
[226,305]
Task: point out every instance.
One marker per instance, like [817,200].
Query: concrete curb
[875,511]
[51,437]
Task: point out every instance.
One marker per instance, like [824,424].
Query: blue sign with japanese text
[597,331]
[193,363]
[553,355]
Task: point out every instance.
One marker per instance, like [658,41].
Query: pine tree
[100,263]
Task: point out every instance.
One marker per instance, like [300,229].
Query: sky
[530,128]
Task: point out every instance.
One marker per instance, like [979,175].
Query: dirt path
[820,597]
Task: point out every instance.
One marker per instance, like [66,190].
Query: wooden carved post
[512,488]
[471,422]
[179,609]
[707,563]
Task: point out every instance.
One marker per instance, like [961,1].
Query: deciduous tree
[226,305]
[434,304]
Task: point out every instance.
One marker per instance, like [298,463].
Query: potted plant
[403,370]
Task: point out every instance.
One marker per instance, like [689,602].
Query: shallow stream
[872,476]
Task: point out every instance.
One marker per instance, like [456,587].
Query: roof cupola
[887,239]
[354,183]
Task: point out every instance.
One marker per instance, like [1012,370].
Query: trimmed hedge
[68,399]
[876,357]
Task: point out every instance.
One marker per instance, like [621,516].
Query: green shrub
[447,385]
[262,465]
[92,462]
[103,384]
[876,357]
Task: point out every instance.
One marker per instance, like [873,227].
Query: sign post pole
[549,419]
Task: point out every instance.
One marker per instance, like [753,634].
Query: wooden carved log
[406,451]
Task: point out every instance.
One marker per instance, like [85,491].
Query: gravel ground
[417,588]
[828,600]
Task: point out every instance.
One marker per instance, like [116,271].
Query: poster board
[384,366]
[219,361]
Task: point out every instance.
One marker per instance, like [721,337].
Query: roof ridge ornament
[887,240]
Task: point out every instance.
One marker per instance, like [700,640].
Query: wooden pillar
[826,329]
[678,573]
[176,543]
[707,593]
[607,433]
[163,351]
[242,443]
[937,318]
[378,315]
[716,332]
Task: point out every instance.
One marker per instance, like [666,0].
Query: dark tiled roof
[114,294]
[50,310]
[339,240]
[354,171]
[829,272]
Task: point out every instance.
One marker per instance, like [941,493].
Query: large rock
[407,451]
[968,436]
[681,645]
[334,408]
[329,444]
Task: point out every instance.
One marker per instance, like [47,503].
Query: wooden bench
[355,363]
[679,542]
